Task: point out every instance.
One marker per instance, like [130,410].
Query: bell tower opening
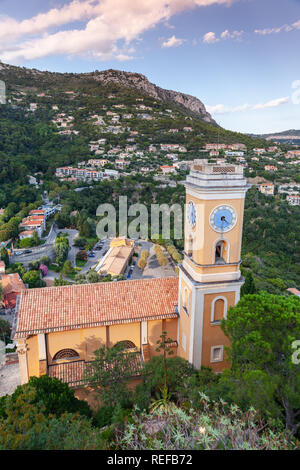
[220,254]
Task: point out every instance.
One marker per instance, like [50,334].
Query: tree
[45,414]
[85,229]
[80,279]
[164,345]
[262,329]
[61,249]
[92,277]
[142,263]
[44,269]
[5,328]
[60,281]
[17,268]
[67,269]
[249,285]
[82,255]
[33,279]
[45,260]
[145,254]
[109,371]
[79,242]
[55,396]
[4,256]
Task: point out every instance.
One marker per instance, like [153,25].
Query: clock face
[191,214]
[223,218]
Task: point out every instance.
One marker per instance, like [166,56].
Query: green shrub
[211,428]
[104,416]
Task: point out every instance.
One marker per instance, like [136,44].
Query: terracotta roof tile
[90,305]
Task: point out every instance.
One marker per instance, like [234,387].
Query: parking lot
[152,269]
[99,250]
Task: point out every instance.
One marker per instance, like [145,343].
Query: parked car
[27,251]
[91,255]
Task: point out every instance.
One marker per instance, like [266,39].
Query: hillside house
[12,286]
[293,199]
[267,189]
[166,169]
[270,168]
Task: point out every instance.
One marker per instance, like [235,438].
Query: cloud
[286,28]
[234,35]
[272,103]
[210,38]
[109,27]
[222,109]
[173,42]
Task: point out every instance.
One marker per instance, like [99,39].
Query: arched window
[218,310]
[125,345]
[221,252]
[66,354]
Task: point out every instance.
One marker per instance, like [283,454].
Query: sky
[239,57]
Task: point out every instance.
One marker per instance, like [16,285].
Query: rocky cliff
[34,77]
[139,81]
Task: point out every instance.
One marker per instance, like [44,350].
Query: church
[57,329]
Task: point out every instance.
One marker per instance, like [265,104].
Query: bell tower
[209,276]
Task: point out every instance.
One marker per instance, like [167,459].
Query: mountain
[140,82]
[58,119]
[124,79]
[291,136]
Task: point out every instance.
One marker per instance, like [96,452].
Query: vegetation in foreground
[253,405]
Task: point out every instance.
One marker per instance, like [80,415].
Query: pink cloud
[107,23]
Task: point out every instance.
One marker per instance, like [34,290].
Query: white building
[293,199]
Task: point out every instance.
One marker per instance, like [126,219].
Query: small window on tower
[216,354]
[218,310]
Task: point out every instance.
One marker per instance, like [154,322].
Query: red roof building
[90,305]
[12,286]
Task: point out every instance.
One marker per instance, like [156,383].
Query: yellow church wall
[32,356]
[184,323]
[155,329]
[170,326]
[216,269]
[213,334]
[125,331]
[71,339]
[94,338]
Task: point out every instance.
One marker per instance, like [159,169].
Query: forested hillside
[51,120]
